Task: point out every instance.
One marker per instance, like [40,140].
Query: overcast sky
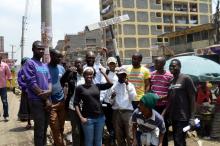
[69,17]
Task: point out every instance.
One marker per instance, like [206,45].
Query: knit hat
[150,100]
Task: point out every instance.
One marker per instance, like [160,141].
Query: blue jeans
[3,94]
[93,130]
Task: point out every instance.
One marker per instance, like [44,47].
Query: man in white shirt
[123,93]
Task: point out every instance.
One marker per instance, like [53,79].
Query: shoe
[6,119]
[207,137]
[28,126]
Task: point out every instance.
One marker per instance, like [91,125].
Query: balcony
[167,7]
[107,12]
[181,7]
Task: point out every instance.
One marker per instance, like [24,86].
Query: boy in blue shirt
[147,122]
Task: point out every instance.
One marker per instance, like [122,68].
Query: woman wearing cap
[90,113]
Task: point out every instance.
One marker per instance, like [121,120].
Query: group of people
[136,105]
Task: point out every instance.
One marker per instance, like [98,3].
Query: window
[204,35]
[143,43]
[158,1]
[159,40]
[130,14]
[129,29]
[142,16]
[128,3]
[143,30]
[130,42]
[196,36]
[158,14]
[159,27]
[189,38]
[142,4]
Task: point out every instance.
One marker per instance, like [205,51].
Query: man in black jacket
[181,105]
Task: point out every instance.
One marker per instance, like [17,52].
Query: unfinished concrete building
[150,18]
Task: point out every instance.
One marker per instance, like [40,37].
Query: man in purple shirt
[39,86]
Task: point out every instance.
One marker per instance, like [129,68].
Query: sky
[68,17]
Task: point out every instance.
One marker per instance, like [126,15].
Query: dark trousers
[40,117]
[3,94]
[77,131]
[179,136]
[108,121]
[160,109]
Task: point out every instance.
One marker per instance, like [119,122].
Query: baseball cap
[111,59]
[121,70]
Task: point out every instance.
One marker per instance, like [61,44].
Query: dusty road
[13,132]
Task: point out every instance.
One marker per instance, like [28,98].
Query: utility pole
[46,27]
[216,23]
[12,52]
[24,28]
[22,36]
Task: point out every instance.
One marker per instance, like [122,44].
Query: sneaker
[207,137]
[6,119]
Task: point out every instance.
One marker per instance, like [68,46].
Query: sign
[108,22]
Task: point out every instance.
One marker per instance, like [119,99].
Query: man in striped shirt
[160,82]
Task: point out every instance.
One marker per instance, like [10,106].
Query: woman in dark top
[91,113]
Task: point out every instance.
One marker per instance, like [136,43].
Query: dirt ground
[13,132]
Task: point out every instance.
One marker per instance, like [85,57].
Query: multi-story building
[150,18]
[75,45]
[1,44]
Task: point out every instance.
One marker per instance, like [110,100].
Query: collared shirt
[148,124]
[5,74]
[125,94]
[160,85]
[137,76]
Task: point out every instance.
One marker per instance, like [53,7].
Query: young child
[148,122]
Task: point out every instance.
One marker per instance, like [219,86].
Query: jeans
[77,132]
[179,136]
[93,130]
[57,120]
[40,117]
[3,94]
